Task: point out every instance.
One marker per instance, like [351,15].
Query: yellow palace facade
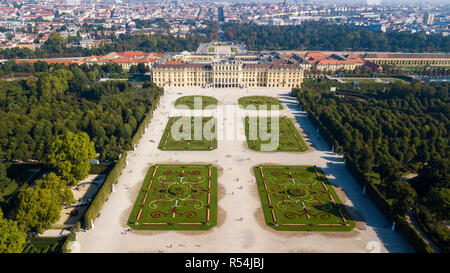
[226,74]
[409,59]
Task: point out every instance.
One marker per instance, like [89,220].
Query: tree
[38,209]
[436,173]
[142,68]
[12,238]
[438,201]
[388,170]
[69,154]
[55,43]
[54,183]
[404,197]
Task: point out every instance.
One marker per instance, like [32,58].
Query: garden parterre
[259,101]
[289,139]
[190,102]
[176,197]
[300,198]
[190,141]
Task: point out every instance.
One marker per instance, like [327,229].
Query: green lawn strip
[290,139]
[189,102]
[176,197]
[293,198]
[168,143]
[259,100]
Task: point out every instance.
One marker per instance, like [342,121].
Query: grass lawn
[169,143]
[176,197]
[259,100]
[290,139]
[189,102]
[300,198]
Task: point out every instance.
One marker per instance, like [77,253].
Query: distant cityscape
[28,24]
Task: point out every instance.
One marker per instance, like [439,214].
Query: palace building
[227,73]
[409,59]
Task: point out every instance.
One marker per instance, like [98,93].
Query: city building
[428,19]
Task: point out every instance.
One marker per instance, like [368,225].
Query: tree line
[329,36]
[390,130]
[57,46]
[34,110]
[61,117]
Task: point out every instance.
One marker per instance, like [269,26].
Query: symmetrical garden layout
[177,197]
[191,141]
[259,101]
[289,139]
[300,198]
[184,196]
[190,101]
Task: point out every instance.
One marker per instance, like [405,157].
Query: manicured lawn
[258,101]
[189,102]
[300,198]
[177,197]
[171,143]
[290,139]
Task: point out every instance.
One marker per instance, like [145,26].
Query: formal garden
[300,198]
[190,101]
[176,197]
[258,101]
[190,134]
[258,136]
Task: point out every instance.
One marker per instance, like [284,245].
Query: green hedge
[69,238]
[103,193]
[440,239]
[105,190]
[101,168]
[44,245]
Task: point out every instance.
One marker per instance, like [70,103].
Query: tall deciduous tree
[69,154]
[12,238]
[405,196]
[54,183]
[38,209]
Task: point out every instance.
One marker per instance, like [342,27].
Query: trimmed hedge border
[439,241]
[103,193]
[402,225]
[69,238]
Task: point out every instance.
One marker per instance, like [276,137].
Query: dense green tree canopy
[69,154]
[31,114]
[59,187]
[329,36]
[389,130]
[12,238]
[38,209]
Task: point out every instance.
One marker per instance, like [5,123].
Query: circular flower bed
[297,191]
[177,190]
